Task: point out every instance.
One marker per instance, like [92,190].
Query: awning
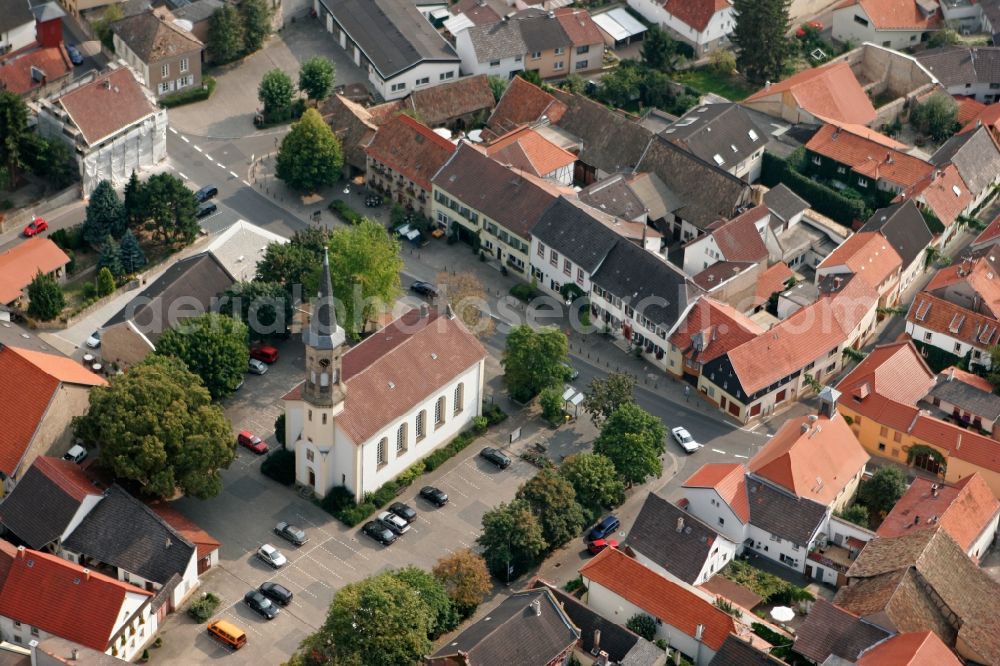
[619,24]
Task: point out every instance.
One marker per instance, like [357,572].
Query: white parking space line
[233,174]
[172,130]
[209,157]
[219,164]
[185,139]
[718,450]
[246,183]
[183,177]
[198,149]
[736,455]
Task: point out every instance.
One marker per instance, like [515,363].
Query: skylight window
[752,134]
[718,159]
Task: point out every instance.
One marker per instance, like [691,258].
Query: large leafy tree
[553,500]
[759,36]
[465,578]
[45,298]
[512,537]
[310,156]
[13,128]
[881,492]
[105,214]
[533,360]
[606,395]
[467,297]
[937,117]
[595,480]
[50,159]
[170,208]
[316,78]
[256,19]
[212,346]
[275,92]
[157,426]
[265,307]
[660,51]
[295,265]
[441,616]
[226,38]
[364,266]
[633,440]
[132,256]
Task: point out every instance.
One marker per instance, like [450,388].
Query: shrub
[523,292]
[202,609]
[480,424]
[279,429]
[551,403]
[573,585]
[188,96]
[493,413]
[338,498]
[346,213]
[280,466]
[642,624]
[68,239]
[773,589]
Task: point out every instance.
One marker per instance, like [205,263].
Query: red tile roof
[107,105]
[968,109]
[990,116]
[20,264]
[981,274]
[523,103]
[15,72]
[936,314]
[917,648]
[529,151]
[964,510]
[663,599]
[868,255]
[975,381]
[729,480]
[31,379]
[895,371]
[58,597]
[578,25]
[68,475]
[695,13]
[721,327]
[830,92]
[410,148]
[738,239]
[944,192]
[187,528]
[816,465]
[988,235]
[867,157]
[894,14]
[772,280]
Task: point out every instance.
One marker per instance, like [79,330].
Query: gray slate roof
[957,65]
[153,39]
[723,130]
[904,227]
[829,630]
[14,13]
[125,533]
[784,203]
[540,31]
[655,535]
[393,34]
[497,41]
[47,12]
[975,155]
[38,510]
[967,397]
[737,652]
[612,141]
[614,196]
[199,11]
[783,515]
[576,234]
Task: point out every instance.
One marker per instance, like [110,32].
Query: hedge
[202,609]
[280,466]
[493,413]
[201,93]
[346,213]
[524,292]
[821,198]
[772,589]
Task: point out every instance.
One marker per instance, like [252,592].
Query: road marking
[209,157]
[234,174]
[718,450]
[197,148]
[185,139]
[736,455]
[246,183]
[219,164]
[172,130]
[183,177]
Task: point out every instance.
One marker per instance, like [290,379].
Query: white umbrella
[782,613]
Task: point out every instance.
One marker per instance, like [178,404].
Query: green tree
[310,156]
[132,256]
[531,76]
[105,214]
[759,36]
[512,539]
[111,257]
[105,281]
[551,402]
[264,307]
[170,208]
[574,83]
[364,266]
[498,85]
[606,395]
[633,440]
[256,18]
[660,51]
[943,37]
[102,26]
[881,492]
[857,514]
[937,117]
[50,159]
[135,202]
[316,78]
[465,578]
[212,346]
[157,426]
[45,298]
[620,86]
[275,92]
[13,128]
[596,482]
[553,501]
[642,624]
[441,616]
[295,265]
[226,38]
[533,360]
[722,62]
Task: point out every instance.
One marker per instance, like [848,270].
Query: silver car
[272,556]
[394,522]
[256,367]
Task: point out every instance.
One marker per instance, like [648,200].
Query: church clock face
[324,363]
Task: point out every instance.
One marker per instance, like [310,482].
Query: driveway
[229,113]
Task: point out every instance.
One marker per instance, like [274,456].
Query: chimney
[888,158]
[424,311]
[86,574]
[804,428]
[934,489]
[536,606]
[916,520]
[448,311]
[597,641]
[680,523]
[699,632]
[20,551]
[74,654]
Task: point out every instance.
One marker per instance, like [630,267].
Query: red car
[801,31]
[265,353]
[37,226]
[600,544]
[252,442]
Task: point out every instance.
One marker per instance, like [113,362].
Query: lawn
[707,81]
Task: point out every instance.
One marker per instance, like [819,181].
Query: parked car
[272,556]
[76,454]
[252,442]
[435,496]
[394,522]
[75,56]
[495,456]
[424,289]
[598,545]
[684,438]
[605,528]
[379,532]
[571,372]
[35,227]
[206,209]
[265,353]
[206,193]
[256,600]
[94,341]
[257,367]
[800,32]
[276,593]
[291,533]
[403,511]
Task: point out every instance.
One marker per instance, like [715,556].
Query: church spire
[324,331]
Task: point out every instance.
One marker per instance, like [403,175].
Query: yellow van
[228,633]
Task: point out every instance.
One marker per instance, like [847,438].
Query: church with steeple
[364,414]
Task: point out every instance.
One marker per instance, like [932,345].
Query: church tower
[324,341]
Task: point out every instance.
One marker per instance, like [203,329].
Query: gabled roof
[43,503]
[18,72]
[955,64]
[727,479]
[154,38]
[970,393]
[773,280]
[964,510]
[830,92]
[831,630]
[894,370]
[918,648]
[977,274]
[496,41]
[739,239]
[988,236]
[575,232]
[240,247]
[905,228]
[779,513]
[738,652]
[784,203]
[410,148]
[20,264]
[936,314]
[107,105]
[976,156]
[529,151]
[719,273]
[812,458]
[578,26]
[521,103]
[125,533]
[353,124]
[196,12]
[14,14]
[695,13]
[614,196]
[672,538]
[654,193]
[540,30]
[203,541]
[896,14]
[31,380]
[866,254]
[711,328]
[944,192]
[452,99]
[723,134]
[868,157]
[62,598]
[665,600]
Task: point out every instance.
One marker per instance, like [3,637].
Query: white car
[94,341]
[257,367]
[685,439]
[394,522]
[272,556]
[76,454]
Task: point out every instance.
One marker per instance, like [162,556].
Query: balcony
[833,557]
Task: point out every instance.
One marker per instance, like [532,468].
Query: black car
[424,289]
[435,496]
[496,457]
[258,602]
[277,593]
[605,528]
[291,533]
[206,193]
[379,532]
[206,209]
[403,511]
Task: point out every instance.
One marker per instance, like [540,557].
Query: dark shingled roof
[125,533]
[199,11]
[442,103]
[830,630]
[784,203]
[904,227]
[154,39]
[540,31]
[956,65]
[723,130]
[614,196]
[393,35]
[967,397]
[737,652]
[975,155]
[513,634]
[14,13]
[575,233]
[655,535]
[783,515]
